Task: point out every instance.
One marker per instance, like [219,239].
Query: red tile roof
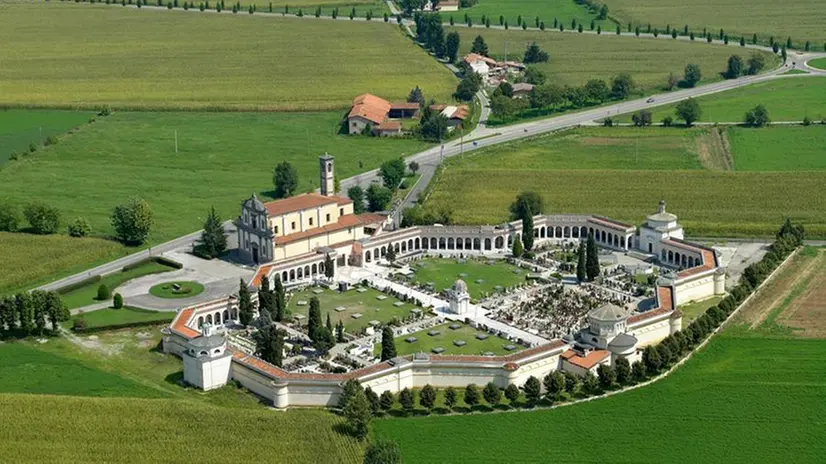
[179,324]
[389,126]
[471,57]
[302,202]
[261,272]
[588,361]
[404,106]
[709,263]
[665,300]
[370,107]
[610,223]
[348,220]
[372,218]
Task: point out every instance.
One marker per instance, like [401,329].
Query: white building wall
[207,373]
[651,333]
[694,288]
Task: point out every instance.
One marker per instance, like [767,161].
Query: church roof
[213,341]
[608,312]
[302,202]
[623,340]
[662,217]
[254,203]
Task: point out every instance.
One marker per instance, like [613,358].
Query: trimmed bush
[79,227]
[117,301]
[103,293]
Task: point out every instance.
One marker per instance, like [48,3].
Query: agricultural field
[32,260]
[709,202]
[20,128]
[87,295]
[425,343]
[108,317]
[564,11]
[367,303]
[739,393]
[481,276]
[127,406]
[795,18]
[576,58]
[788,99]
[152,59]
[795,148]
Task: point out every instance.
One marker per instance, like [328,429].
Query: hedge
[78,284]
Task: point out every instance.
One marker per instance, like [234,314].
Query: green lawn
[27,369]
[443,272]
[19,128]
[695,309]
[748,398]
[777,148]
[787,99]
[87,295]
[796,18]
[819,63]
[67,54]
[479,188]
[31,260]
[564,11]
[365,303]
[576,58]
[126,315]
[166,290]
[425,343]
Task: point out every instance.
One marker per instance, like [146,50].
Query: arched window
[487,243]
[417,243]
[450,244]
[200,322]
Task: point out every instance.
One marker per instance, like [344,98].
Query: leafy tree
[518,250]
[43,218]
[434,127]
[479,46]
[373,400]
[471,395]
[734,68]
[554,385]
[532,389]
[512,393]
[285,179]
[638,371]
[651,360]
[534,54]
[589,383]
[622,85]
[450,397]
[356,193]
[591,258]
[378,197]
[667,121]
[382,452]
[623,370]
[757,117]
[390,255]
[132,221]
[547,96]
[213,238]
[641,118]
[388,344]
[269,344]
[79,227]
[671,81]
[571,382]
[607,376]
[504,89]
[596,90]
[527,230]
[117,301]
[245,311]
[392,172]
[603,12]
[692,74]
[103,293]
[689,111]
[9,217]
[756,64]
[413,166]
[407,399]
[525,203]
[452,42]
[581,272]
[468,86]
[324,340]
[492,394]
[534,76]
[386,401]
[427,397]
[358,415]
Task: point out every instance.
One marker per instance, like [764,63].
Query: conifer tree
[245,312]
[591,259]
[388,344]
[527,229]
[279,301]
[580,264]
[314,318]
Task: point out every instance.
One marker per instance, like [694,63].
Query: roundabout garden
[182,289]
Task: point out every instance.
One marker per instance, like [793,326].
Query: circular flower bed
[176,289]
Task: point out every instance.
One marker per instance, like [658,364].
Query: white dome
[460,286]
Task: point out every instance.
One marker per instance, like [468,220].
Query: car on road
[650,100]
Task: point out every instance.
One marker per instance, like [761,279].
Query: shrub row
[79,284]
[82,328]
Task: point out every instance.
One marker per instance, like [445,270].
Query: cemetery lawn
[425,343]
[87,295]
[95,55]
[529,10]
[365,303]
[741,392]
[788,99]
[31,260]
[127,315]
[795,18]
[443,272]
[577,58]
[708,202]
[19,128]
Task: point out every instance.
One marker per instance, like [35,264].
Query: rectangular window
[341,212]
[293,225]
[328,217]
[311,221]
[275,230]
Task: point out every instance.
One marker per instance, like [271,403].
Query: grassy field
[708,202]
[794,148]
[108,427]
[788,99]
[19,128]
[443,272]
[576,58]
[365,303]
[795,18]
[564,11]
[744,398]
[91,55]
[87,295]
[695,309]
[126,315]
[425,343]
[31,260]
[819,63]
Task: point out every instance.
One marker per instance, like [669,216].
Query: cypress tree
[329,267]
[245,312]
[314,318]
[591,259]
[518,249]
[388,344]
[279,300]
[265,296]
[527,229]
[580,265]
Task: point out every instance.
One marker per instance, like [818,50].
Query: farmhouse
[493,72]
[455,115]
[378,115]
[522,90]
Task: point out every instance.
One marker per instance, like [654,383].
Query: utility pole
[176,140]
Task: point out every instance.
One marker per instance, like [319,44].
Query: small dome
[608,312]
[622,341]
[460,286]
[254,203]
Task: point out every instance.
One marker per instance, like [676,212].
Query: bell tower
[325,165]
